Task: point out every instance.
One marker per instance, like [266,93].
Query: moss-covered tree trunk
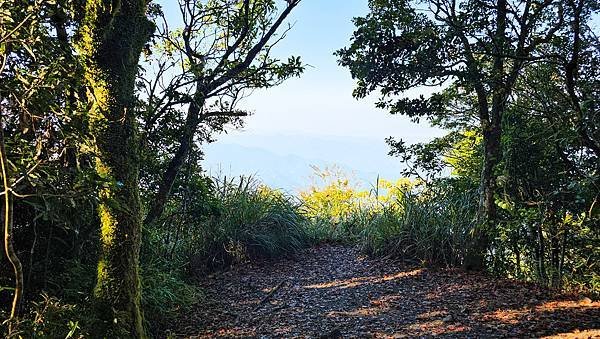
[110,40]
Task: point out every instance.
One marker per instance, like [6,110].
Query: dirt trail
[334,292]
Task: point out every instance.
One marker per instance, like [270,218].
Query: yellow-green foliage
[463,157]
[391,192]
[337,198]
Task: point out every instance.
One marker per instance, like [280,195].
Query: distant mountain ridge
[285,161]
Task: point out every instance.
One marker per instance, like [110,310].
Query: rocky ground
[335,292]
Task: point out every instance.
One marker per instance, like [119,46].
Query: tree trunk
[491,158]
[169,176]
[541,254]
[571,69]
[491,126]
[475,259]
[111,39]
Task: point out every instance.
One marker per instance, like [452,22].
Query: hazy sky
[319,104]
[313,117]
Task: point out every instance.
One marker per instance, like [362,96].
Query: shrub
[430,226]
[403,219]
[248,221]
[50,317]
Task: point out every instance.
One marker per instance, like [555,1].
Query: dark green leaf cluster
[516,84]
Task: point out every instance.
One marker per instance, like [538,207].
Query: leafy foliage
[51,153]
[518,92]
[252,221]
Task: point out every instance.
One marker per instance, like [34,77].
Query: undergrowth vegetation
[405,219]
[432,224]
[218,222]
[429,226]
[247,220]
[228,221]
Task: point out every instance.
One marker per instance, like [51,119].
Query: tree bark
[571,69]
[170,174]
[110,40]
[491,126]
[475,259]
[541,254]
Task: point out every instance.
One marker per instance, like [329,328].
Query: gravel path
[334,292]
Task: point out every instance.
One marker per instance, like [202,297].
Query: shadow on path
[333,291]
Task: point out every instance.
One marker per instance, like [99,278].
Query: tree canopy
[110,221]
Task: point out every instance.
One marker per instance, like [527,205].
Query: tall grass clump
[409,220]
[247,221]
[338,209]
[429,225]
[255,221]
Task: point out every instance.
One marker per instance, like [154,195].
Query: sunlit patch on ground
[349,283]
[361,312]
[436,327]
[432,315]
[515,316]
[330,289]
[577,334]
[342,283]
[567,304]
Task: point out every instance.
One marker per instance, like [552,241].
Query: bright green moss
[108,224]
[110,41]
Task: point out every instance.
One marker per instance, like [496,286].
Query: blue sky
[320,102]
[296,117]
[312,119]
